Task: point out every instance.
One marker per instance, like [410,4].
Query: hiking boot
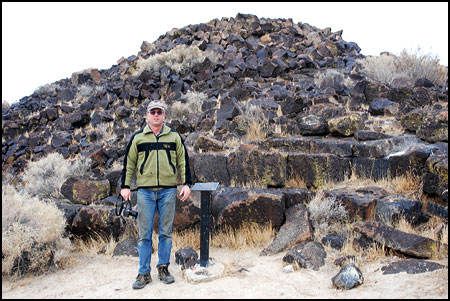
[142,280]
[164,275]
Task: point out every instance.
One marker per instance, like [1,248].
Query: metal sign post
[206,190]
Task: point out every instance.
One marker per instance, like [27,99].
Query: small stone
[288,269]
[348,277]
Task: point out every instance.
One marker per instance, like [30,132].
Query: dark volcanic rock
[211,167]
[391,208]
[252,165]
[128,246]
[335,241]
[436,172]
[235,207]
[411,266]
[90,222]
[85,192]
[183,256]
[307,254]
[348,277]
[406,243]
[360,203]
[296,229]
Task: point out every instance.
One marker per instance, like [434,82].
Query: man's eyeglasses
[159,112]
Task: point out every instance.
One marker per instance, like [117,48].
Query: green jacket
[156,159]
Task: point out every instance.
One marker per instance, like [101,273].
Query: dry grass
[249,236]
[435,229]
[296,181]
[255,130]
[249,184]
[94,246]
[408,184]
[97,244]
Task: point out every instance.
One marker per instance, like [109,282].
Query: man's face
[155,117]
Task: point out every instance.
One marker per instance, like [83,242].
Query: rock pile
[318,114]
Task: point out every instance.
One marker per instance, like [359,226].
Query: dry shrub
[5,104]
[47,89]
[253,122]
[337,74]
[32,234]
[106,131]
[43,178]
[85,91]
[193,105]
[326,211]
[179,58]
[414,65]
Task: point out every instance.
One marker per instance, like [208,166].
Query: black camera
[124,207]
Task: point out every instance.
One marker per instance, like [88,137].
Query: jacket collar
[164,130]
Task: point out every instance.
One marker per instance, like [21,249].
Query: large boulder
[411,266]
[346,125]
[296,229]
[307,254]
[250,165]
[236,207]
[92,222]
[85,192]
[435,178]
[211,167]
[434,127]
[360,202]
[391,208]
[322,168]
[406,243]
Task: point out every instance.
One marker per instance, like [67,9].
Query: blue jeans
[148,202]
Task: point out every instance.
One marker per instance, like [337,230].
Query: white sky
[45,42]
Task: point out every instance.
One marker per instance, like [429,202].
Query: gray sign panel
[211,186]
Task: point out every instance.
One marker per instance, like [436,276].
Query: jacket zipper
[157,159]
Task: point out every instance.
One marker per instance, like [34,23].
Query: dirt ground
[247,275]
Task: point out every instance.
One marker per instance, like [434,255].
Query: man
[156,154]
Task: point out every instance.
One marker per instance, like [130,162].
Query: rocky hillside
[259,102]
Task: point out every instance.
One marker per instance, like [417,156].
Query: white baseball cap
[155,105]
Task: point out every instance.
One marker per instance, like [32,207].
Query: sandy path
[103,276]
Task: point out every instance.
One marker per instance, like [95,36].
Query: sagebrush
[413,65]
[32,234]
[325,211]
[179,58]
[43,178]
[193,104]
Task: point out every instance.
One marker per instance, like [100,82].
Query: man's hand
[126,193]
[185,192]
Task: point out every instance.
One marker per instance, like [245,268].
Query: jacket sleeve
[129,163]
[183,162]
